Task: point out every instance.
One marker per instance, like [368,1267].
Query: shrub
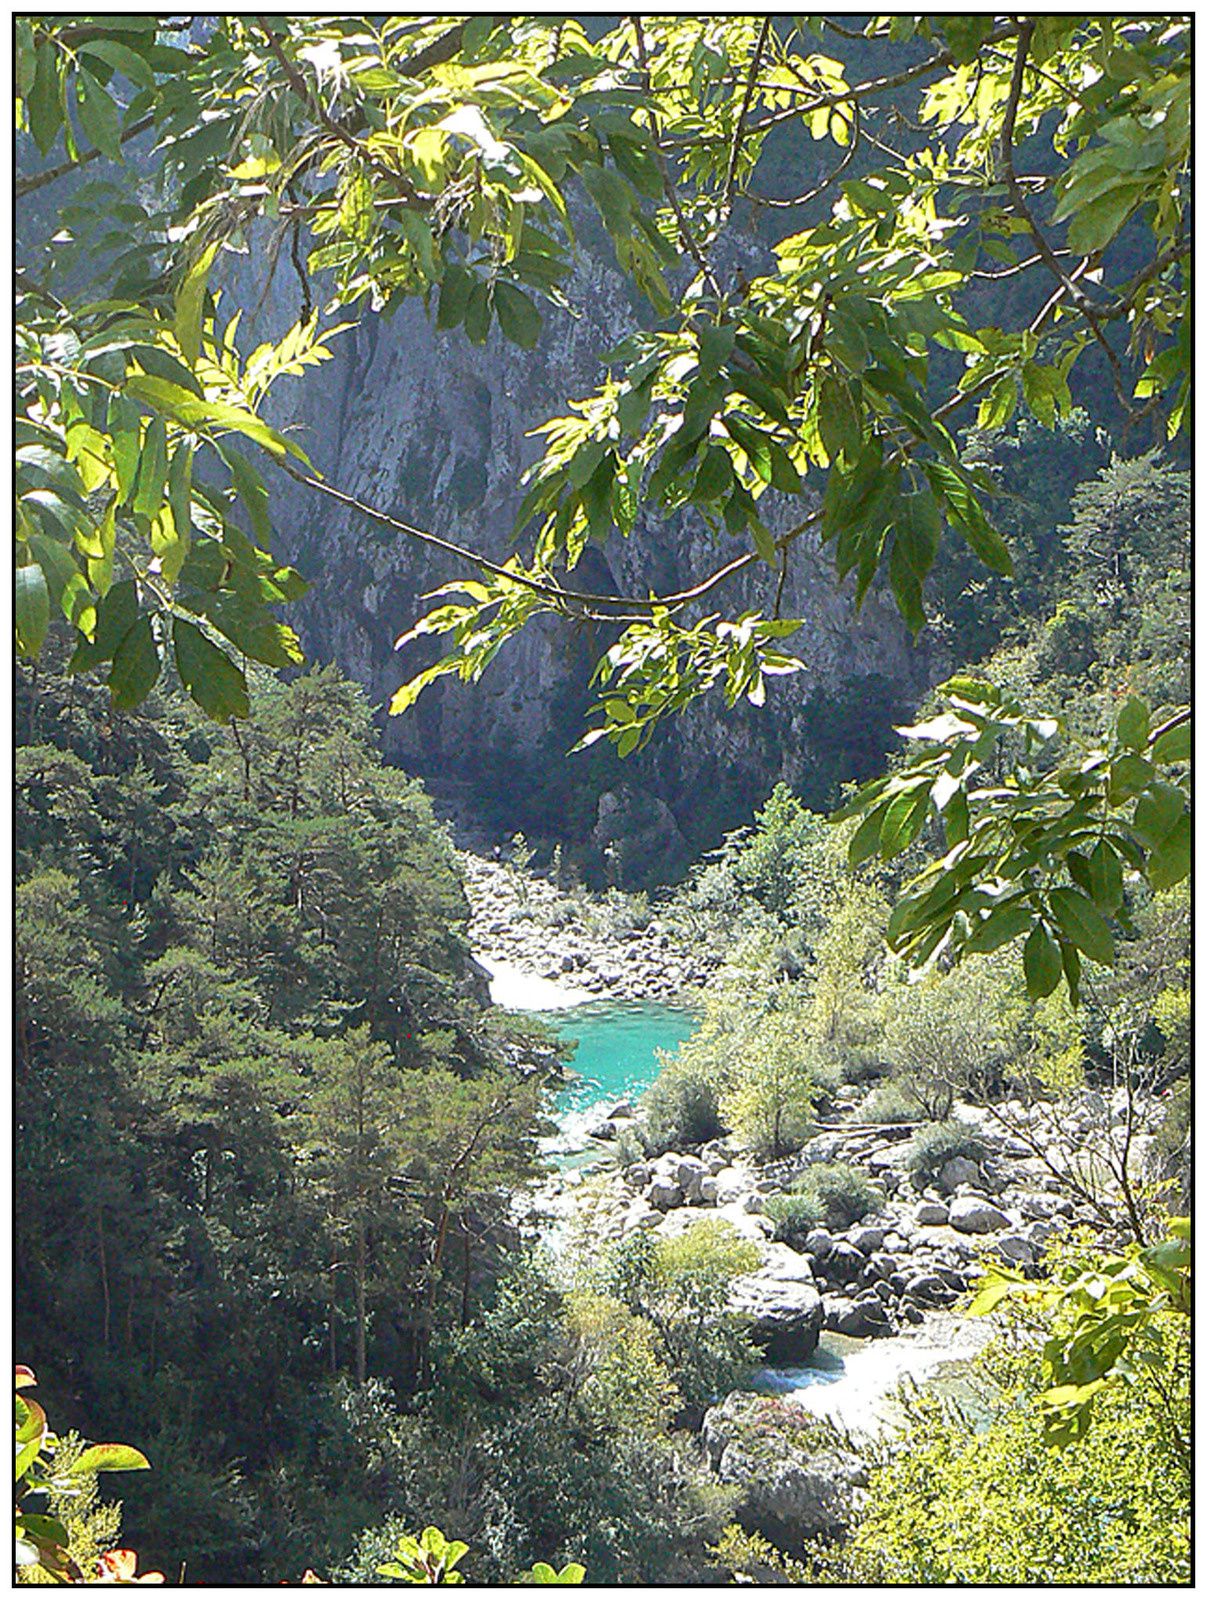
[888,1102]
[933,1146]
[680,1109]
[839,1194]
[957,1501]
[795,1216]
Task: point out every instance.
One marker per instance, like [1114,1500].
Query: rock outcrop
[797,1479]
[783,1304]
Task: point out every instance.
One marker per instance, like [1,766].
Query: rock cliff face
[425,425]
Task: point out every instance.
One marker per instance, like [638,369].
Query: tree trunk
[331,1323]
[466,1267]
[100,1233]
[360,1302]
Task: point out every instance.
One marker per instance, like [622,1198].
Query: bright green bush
[681,1108]
[934,1145]
[989,1502]
[888,1103]
[794,1215]
[838,1193]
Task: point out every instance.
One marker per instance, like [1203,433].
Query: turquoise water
[617,1049]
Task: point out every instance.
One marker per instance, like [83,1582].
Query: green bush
[887,1103]
[680,1109]
[838,1193]
[933,1146]
[795,1216]
[966,1497]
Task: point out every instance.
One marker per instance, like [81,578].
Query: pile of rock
[529,923]
[797,1476]
[918,1253]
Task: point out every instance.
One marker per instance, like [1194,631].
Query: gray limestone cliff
[435,430]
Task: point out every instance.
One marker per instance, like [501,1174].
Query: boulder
[750,1225]
[782,1301]
[866,1239]
[970,1215]
[798,1478]
[864,1318]
[819,1242]
[1014,1248]
[845,1263]
[708,1191]
[957,1171]
[928,1289]
[690,1172]
[663,1193]
[732,1183]
[640,1214]
[930,1213]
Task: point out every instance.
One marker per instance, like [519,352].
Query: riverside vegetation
[276,1158]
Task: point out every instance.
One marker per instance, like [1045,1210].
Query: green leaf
[1157,812]
[1041,962]
[115,616]
[251,490]
[838,419]
[110,1458]
[518,317]
[1132,724]
[866,839]
[1173,745]
[964,510]
[755,444]
[916,532]
[903,821]
[997,407]
[208,673]
[135,669]
[31,609]
[1129,774]
[454,297]
[160,395]
[152,469]
[99,116]
[1096,223]
[1170,862]
[1002,924]
[1081,922]
[42,105]
[477,314]
[190,304]
[716,345]
[124,60]
[1106,877]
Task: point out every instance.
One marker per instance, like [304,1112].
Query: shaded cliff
[423,424]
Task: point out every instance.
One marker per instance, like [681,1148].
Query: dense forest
[294,1217]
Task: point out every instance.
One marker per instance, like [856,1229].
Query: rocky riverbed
[589,947]
[844,1313]
[918,1252]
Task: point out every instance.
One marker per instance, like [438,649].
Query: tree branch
[755,62]
[1025,29]
[39,180]
[686,236]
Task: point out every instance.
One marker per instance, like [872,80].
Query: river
[852,1382]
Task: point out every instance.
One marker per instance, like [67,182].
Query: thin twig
[735,152]
[39,180]
[820,188]
[686,236]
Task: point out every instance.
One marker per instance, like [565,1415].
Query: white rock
[663,1193]
[970,1215]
